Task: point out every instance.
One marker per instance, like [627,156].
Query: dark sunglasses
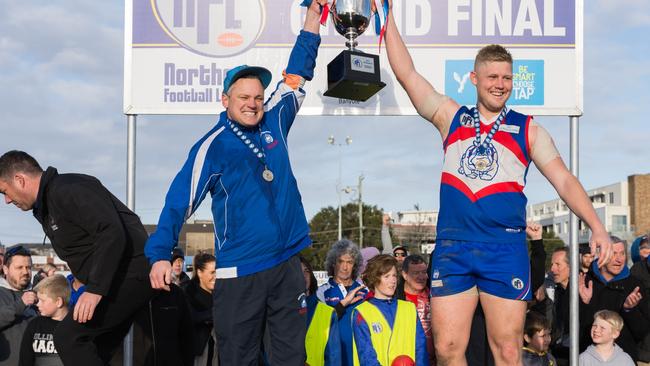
[399,254]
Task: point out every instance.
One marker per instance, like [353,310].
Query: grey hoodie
[14,316]
[591,357]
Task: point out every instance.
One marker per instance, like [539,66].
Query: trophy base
[354,75]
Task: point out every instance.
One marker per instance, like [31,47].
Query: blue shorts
[498,269]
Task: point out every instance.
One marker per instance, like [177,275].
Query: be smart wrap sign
[178,51]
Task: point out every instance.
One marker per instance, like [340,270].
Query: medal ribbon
[493,130]
[381,18]
[257,151]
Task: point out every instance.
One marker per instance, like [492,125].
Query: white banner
[178,51]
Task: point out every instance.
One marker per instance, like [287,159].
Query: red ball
[403,360]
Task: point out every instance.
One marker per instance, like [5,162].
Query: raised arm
[430,104]
[550,164]
[312,19]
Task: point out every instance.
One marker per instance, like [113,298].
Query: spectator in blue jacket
[260,224]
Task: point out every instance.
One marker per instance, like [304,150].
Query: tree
[551,241]
[324,230]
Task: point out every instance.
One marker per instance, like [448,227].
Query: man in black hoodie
[101,240]
[612,288]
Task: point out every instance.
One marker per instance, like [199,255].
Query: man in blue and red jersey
[481,252]
[260,224]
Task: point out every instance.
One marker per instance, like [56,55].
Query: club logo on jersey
[376,327]
[269,140]
[436,274]
[517,283]
[216,28]
[480,162]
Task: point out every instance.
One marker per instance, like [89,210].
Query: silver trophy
[353,74]
[351,18]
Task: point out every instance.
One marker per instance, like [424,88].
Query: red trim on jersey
[527,128]
[503,187]
[506,139]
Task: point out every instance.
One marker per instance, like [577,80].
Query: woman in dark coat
[199,297]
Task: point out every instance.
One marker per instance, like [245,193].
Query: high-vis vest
[318,333]
[390,343]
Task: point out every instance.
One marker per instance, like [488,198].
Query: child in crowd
[605,329]
[537,337]
[37,347]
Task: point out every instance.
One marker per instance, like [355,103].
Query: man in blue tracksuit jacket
[259,220]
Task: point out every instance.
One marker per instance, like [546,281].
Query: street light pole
[360,213]
[332,141]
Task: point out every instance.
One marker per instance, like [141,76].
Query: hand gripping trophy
[353,74]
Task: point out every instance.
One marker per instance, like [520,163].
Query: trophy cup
[352,74]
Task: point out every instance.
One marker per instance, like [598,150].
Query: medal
[267,175]
[480,160]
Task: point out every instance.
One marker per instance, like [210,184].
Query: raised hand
[585,289]
[534,230]
[633,299]
[353,296]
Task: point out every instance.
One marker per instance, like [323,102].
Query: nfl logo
[466,120]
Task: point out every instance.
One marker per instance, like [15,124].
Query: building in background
[196,236]
[623,207]
[639,197]
[415,229]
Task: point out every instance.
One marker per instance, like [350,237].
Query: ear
[616,333]
[526,338]
[224,100]
[20,180]
[5,269]
[473,77]
[59,302]
[404,275]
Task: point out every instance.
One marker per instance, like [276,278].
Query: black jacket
[611,296]
[200,302]
[641,271]
[97,235]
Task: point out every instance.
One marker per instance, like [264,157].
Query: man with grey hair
[612,288]
[342,291]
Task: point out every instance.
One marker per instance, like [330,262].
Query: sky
[61,65]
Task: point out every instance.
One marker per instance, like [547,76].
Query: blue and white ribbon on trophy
[381,18]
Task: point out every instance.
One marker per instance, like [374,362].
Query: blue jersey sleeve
[188,189]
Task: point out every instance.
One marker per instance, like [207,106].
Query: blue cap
[244,70]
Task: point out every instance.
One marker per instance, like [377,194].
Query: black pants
[242,307]
[93,342]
